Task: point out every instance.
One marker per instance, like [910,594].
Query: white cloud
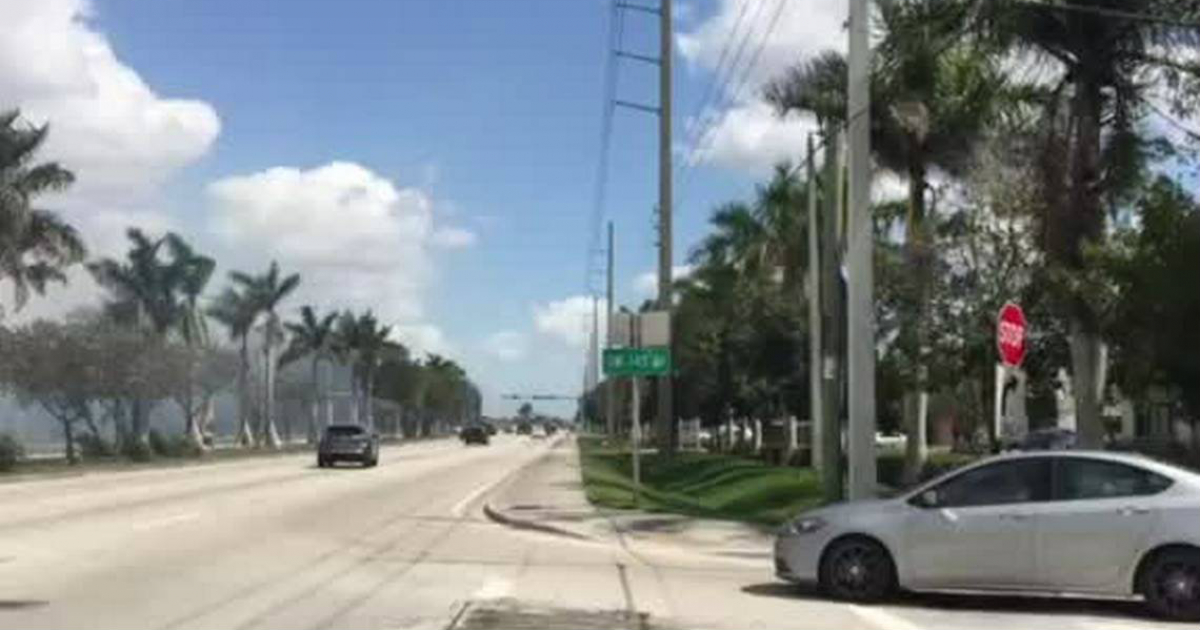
[107,124]
[506,345]
[115,132]
[646,283]
[748,135]
[357,240]
[568,320]
[424,338]
[453,238]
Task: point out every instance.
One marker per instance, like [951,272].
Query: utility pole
[860,351]
[610,389]
[666,424]
[593,361]
[831,321]
[816,415]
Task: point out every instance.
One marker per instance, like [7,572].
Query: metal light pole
[610,390]
[860,349]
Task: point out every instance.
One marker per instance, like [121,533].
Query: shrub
[92,446]
[11,452]
[172,446]
[137,450]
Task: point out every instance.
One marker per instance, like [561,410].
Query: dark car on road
[348,442]
[474,434]
[524,428]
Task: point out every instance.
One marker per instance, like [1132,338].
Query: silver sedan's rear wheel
[858,569]
[1171,584]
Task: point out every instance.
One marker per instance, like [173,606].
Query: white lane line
[493,588]
[881,618]
[166,521]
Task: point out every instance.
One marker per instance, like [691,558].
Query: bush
[137,450]
[11,452]
[172,446]
[94,447]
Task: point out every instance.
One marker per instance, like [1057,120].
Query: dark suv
[474,434]
[348,442]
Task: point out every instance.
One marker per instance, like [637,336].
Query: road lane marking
[166,521]
[881,618]
[462,505]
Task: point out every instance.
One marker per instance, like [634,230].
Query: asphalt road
[278,543]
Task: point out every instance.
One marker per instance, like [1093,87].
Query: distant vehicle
[1092,523]
[1052,439]
[524,428]
[475,434]
[490,428]
[551,428]
[347,442]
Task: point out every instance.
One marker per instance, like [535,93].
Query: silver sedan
[1082,523]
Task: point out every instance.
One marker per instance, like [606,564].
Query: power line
[707,138]
[718,70]
[611,74]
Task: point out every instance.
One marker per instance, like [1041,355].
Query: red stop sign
[1010,334]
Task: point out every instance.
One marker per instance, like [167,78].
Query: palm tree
[190,274]
[365,339]
[35,244]
[312,336]
[237,311]
[266,291]
[1111,63]
[933,97]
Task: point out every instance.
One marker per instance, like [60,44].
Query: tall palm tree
[313,337]
[934,95]
[190,274]
[266,291]
[35,244]
[365,339]
[237,311]
[1111,63]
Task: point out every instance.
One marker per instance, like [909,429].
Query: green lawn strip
[698,484]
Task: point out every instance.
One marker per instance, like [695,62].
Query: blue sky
[466,133]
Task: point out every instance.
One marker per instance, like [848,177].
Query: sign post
[634,362]
[1011,333]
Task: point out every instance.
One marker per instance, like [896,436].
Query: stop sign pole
[1011,334]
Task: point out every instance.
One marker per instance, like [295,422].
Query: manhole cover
[514,616]
[19,604]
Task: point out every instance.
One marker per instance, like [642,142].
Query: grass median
[698,484]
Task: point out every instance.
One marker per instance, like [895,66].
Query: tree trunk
[69,440]
[244,435]
[919,253]
[368,402]
[1087,355]
[317,393]
[270,433]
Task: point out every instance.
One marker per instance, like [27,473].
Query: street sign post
[1011,334]
[653,361]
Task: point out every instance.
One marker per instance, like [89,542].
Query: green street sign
[637,361]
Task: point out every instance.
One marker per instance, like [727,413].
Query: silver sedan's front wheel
[858,569]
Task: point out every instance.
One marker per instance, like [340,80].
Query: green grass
[698,484]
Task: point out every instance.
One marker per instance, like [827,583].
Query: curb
[498,516]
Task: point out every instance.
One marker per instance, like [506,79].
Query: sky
[432,160]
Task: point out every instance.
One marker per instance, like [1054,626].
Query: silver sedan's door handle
[1015,516]
[1130,510]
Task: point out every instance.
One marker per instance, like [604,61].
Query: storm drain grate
[20,604]
[514,616]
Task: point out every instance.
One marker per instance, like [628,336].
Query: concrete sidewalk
[548,496]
